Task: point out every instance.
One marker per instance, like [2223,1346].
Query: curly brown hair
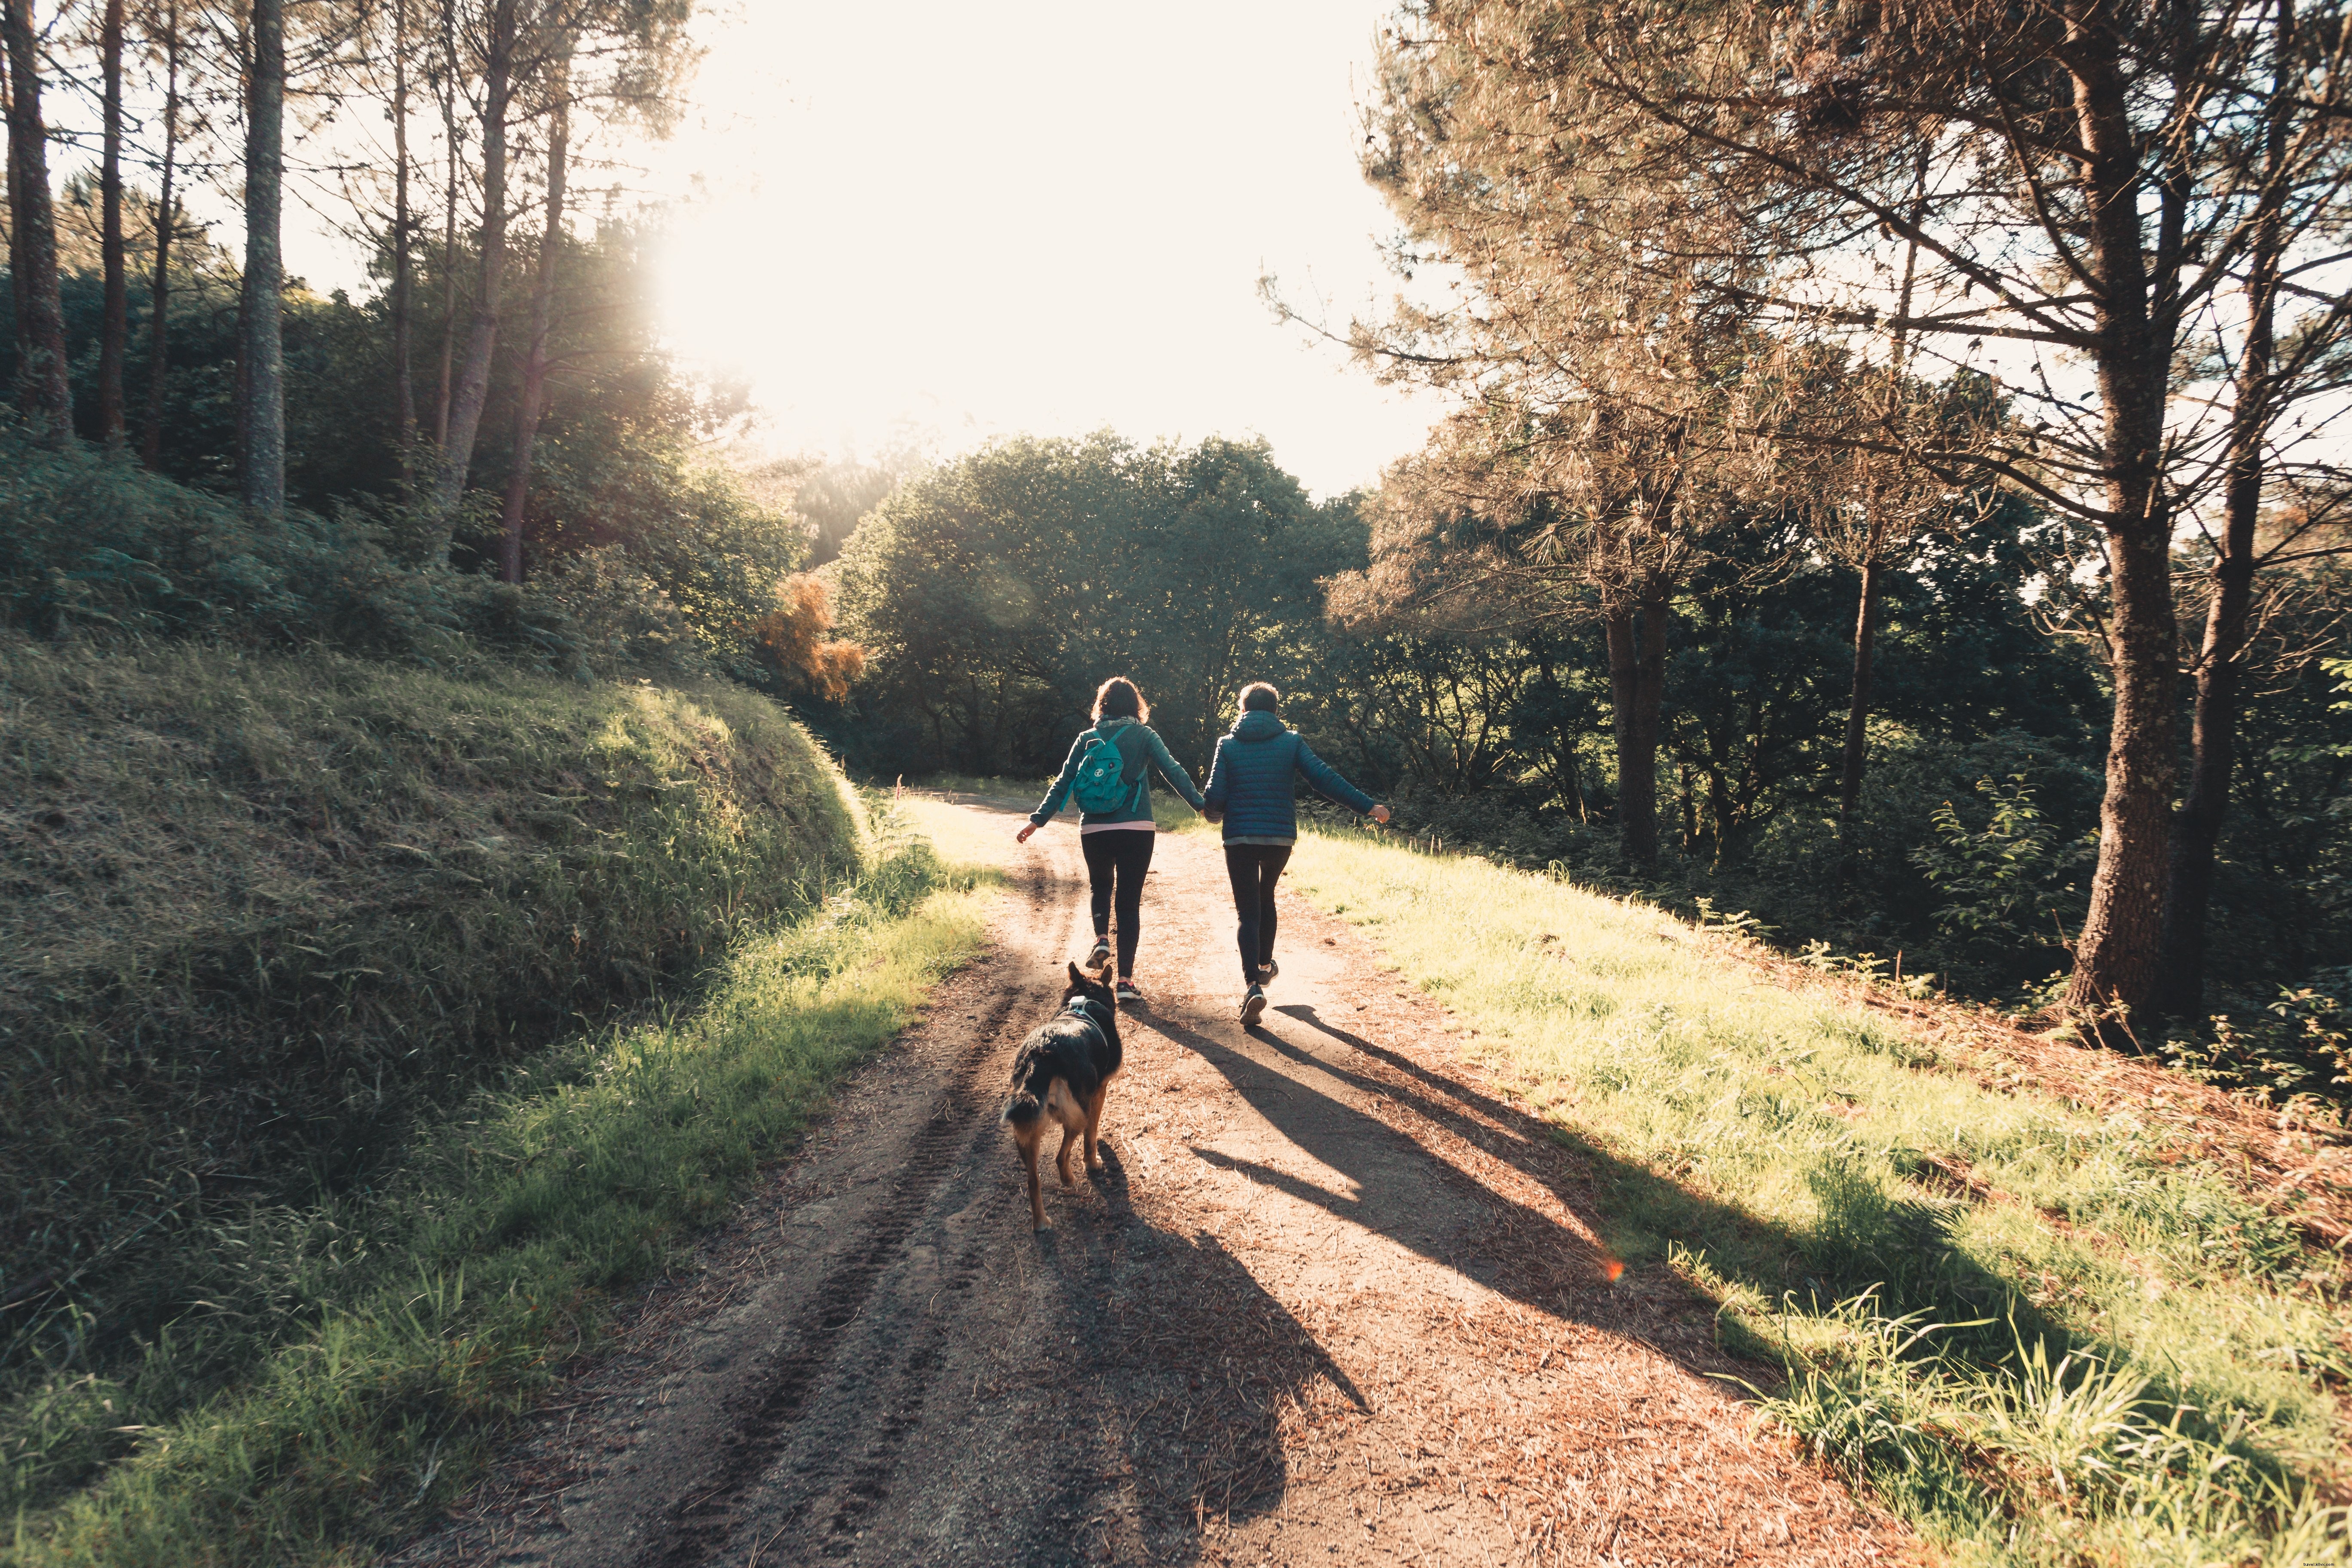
[1118,698]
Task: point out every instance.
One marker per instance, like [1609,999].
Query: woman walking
[1250,785]
[1110,771]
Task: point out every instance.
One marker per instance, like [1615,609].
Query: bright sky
[1037,217]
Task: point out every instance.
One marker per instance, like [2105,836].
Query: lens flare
[1611,1268]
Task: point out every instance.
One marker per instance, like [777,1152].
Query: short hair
[1260,696]
[1118,698]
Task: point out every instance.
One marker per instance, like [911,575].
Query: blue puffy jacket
[1251,780]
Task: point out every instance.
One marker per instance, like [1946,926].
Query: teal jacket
[1138,808]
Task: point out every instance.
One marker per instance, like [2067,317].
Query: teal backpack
[1103,782]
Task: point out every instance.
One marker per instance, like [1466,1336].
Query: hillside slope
[255,911]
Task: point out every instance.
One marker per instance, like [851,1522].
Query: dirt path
[1332,1303]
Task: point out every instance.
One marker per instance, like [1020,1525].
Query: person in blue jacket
[1251,788]
[1118,844]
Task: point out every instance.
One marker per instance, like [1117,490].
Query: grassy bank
[258,912]
[2041,1335]
[266,922]
[412,1322]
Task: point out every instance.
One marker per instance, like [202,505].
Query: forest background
[1737,593]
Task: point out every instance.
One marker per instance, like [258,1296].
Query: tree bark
[2196,827]
[1866,620]
[2119,956]
[20,297]
[404,389]
[159,354]
[473,379]
[1857,712]
[260,343]
[1636,633]
[46,393]
[114,334]
[449,222]
[534,364]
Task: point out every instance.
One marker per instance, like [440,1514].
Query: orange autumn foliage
[797,636]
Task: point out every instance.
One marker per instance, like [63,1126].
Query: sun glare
[1052,218]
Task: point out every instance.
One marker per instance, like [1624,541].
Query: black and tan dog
[1064,1070]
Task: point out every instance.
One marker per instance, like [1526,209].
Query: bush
[94,545]
[92,542]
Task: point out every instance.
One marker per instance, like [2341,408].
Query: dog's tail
[1023,1109]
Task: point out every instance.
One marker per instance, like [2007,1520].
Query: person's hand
[1027,829]
[1380,814]
[1211,816]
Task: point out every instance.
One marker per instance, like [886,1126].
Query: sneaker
[1099,956]
[1266,974]
[1128,996]
[1253,1006]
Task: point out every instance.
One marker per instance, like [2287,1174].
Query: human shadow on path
[1911,1260]
[1528,1256]
[1181,1367]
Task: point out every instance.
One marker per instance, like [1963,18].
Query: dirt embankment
[1333,1302]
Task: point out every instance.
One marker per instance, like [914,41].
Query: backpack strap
[1130,759]
[1133,763]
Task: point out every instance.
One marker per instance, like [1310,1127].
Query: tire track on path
[1331,1300]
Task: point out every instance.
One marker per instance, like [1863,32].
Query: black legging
[1125,852]
[1255,869]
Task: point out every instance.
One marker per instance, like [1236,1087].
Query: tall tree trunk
[46,394]
[473,379]
[542,299]
[263,357]
[159,315]
[20,298]
[1636,632]
[449,222]
[2196,827]
[114,335]
[1873,568]
[2120,953]
[404,390]
[1857,712]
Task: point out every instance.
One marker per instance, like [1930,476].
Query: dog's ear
[1077,975]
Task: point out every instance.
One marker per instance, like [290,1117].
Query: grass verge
[412,1323]
[2042,1336]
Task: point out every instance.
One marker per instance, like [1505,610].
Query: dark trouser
[1123,854]
[1255,869]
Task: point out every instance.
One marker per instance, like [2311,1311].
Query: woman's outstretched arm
[1324,780]
[1173,772]
[1057,794]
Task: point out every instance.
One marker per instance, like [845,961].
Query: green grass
[258,914]
[2119,1358]
[425,1315]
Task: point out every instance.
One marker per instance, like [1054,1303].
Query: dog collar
[1084,1008]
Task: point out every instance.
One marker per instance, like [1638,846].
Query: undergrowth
[390,1335]
[2045,1336]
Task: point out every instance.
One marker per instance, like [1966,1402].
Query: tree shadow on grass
[1865,1240]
